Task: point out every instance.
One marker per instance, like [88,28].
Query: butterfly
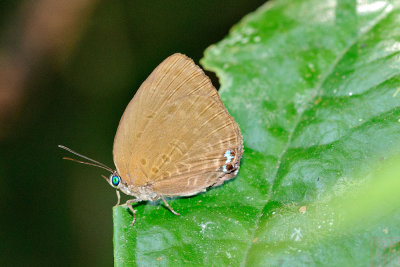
[175,137]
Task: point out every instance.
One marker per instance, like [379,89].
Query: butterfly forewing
[176,131]
[175,77]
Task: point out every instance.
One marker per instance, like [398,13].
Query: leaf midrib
[330,70]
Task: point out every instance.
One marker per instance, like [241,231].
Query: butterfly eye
[115,180]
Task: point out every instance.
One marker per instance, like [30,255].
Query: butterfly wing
[176,131]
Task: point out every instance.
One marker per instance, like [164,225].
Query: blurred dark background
[68,68]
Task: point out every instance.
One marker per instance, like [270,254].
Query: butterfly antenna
[96,163]
[88,163]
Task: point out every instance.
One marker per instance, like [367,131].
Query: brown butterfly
[175,138]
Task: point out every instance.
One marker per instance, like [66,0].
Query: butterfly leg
[168,206]
[119,198]
[129,204]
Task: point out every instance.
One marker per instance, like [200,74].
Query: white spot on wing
[224,168]
[228,156]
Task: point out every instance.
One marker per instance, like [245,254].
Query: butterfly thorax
[144,192]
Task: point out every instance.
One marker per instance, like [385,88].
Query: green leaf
[315,88]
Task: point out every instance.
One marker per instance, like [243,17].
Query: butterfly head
[115,180]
